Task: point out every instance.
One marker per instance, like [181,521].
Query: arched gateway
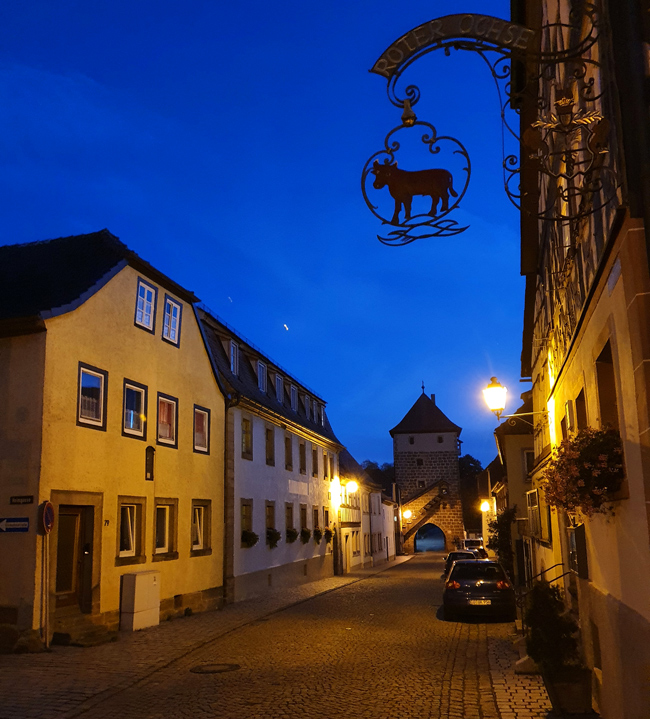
[425,452]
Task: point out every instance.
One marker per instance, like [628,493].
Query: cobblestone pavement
[369,645]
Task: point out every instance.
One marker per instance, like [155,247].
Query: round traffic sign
[48,517]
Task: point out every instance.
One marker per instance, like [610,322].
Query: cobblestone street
[373,645]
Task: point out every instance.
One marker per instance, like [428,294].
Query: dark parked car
[478,587]
[455,556]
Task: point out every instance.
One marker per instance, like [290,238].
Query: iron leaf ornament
[384,179]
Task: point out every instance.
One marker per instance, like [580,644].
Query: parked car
[481,551]
[455,556]
[478,587]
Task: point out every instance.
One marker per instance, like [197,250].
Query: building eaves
[39,280]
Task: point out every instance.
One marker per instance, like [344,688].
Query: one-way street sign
[14,524]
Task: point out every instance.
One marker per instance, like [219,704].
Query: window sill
[164,557]
[288,467]
[270,464]
[200,552]
[126,561]
[246,455]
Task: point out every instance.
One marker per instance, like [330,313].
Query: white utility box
[140,604]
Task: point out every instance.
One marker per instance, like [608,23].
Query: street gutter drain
[214,668]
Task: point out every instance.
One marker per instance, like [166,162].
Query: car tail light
[502,585]
[452,585]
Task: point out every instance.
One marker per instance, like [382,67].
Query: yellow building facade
[111,413]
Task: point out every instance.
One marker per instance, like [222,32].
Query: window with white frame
[135,410]
[532,502]
[130,540]
[279,388]
[294,398]
[145,309]
[91,404]
[261,376]
[201,429]
[198,520]
[167,420]
[165,529]
[128,535]
[162,531]
[200,527]
[172,321]
[234,358]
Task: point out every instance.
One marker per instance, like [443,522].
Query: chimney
[433,398]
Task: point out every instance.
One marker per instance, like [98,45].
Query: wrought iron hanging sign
[416,202]
[568,146]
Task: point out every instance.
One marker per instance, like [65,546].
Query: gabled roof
[48,278]
[244,384]
[425,417]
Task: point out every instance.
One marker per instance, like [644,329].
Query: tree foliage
[500,537]
[469,468]
[383,475]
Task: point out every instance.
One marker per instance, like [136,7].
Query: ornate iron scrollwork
[444,187]
[570,146]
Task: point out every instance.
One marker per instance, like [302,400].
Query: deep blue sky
[224,143]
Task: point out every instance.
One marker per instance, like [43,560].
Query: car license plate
[480,602]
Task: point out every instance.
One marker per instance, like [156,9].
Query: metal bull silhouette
[404,184]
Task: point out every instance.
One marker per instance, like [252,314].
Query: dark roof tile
[425,417]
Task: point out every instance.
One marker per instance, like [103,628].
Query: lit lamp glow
[351,487]
[495,396]
[485,506]
[407,514]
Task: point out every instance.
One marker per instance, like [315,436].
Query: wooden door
[74,554]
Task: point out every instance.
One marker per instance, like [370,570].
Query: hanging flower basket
[273,537]
[585,472]
[248,539]
[305,534]
[328,534]
[291,535]
[318,535]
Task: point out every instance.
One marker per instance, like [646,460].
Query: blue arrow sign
[14,524]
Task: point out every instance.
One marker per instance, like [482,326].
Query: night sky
[224,143]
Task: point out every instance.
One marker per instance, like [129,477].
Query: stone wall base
[257,584]
[618,638]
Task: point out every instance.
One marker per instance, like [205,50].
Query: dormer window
[307,406]
[279,388]
[172,321]
[294,398]
[145,308]
[322,415]
[234,358]
[261,376]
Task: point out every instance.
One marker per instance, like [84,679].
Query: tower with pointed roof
[426,450]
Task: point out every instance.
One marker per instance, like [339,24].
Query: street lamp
[407,514]
[485,506]
[351,487]
[495,396]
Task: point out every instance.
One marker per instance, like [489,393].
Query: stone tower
[426,449]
